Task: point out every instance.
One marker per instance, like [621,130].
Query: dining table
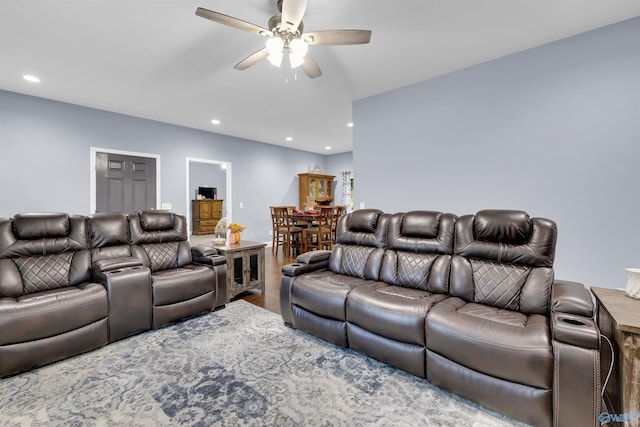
[304,218]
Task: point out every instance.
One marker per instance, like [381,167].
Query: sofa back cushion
[159,239]
[419,249]
[360,241]
[504,259]
[108,236]
[42,251]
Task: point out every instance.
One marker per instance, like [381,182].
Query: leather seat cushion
[181,284]
[324,293]
[500,343]
[391,311]
[50,313]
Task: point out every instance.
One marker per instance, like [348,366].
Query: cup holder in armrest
[296,265]
[574,322]
[115,271]
[577,331]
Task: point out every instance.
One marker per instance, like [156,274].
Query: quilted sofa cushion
[420,244]
[42,251]
[182,284]
[324,293]
[50,313]
[360,240]
[503,270]
[413,277]
[164,245]
[483,338]
[42,273]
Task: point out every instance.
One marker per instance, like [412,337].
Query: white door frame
[228,195]
[92,179]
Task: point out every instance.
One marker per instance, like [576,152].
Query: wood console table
[245,267]
[618,318]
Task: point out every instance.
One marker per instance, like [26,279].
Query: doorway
[124,181]
[190,186]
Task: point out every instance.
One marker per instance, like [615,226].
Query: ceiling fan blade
[231,21]
[337,37]
[252,59]
[292,11]
[310,67]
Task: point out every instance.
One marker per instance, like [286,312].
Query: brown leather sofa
[70,284]
[468,303]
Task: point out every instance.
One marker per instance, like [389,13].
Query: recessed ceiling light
[350,124]
[215,121]
[327,147]
[289,138]
[31,78]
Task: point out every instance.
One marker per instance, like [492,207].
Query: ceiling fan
[285,38]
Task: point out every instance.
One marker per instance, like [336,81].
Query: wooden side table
[245,267]
[618,318]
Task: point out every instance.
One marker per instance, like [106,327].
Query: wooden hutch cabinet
[205,215]
[317,185]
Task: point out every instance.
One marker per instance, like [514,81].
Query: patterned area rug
[236,366]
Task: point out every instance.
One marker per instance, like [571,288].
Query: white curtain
[345,193]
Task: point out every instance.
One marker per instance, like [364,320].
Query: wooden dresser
[205,215]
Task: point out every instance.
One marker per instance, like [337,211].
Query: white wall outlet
[361,205]
[167,206]
[241,205]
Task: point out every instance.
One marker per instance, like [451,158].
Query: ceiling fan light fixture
[275,58]
[286,31]
[275,45]
[297,51]
[295,60]
[298,47]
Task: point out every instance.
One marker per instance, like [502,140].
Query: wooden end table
[245,267]
[618,318]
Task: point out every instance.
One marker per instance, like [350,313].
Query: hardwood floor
[270,300]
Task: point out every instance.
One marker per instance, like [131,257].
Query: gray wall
[554,131]
[45,160]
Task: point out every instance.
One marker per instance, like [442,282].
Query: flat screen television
[208,192]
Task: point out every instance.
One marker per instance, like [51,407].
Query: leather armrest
[575,330]
[116,264]
[572,298]
[313,257]
[297,269]
[203,251]
[207,255]
[210,260]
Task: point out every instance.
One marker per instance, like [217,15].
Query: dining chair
[285,234]
[320,235]
[274,228]
[337,212]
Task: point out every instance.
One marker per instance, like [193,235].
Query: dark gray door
[125,183]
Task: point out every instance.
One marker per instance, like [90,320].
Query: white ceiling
[158,60]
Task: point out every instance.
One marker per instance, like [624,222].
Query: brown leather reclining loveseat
[70,284]
[468,303]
